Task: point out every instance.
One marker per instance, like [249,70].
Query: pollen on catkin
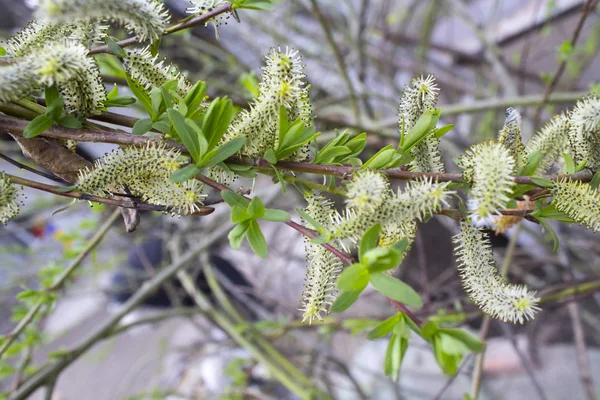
[489,167]
[421,95]
[145,18]
[84,94]
[483,283]
[579,201]
[367,190]
[10,204]
[201,7]
[510,137]
[550,142]
[148,72]
[35,36]
[282,84]
[323,267]
[584,132]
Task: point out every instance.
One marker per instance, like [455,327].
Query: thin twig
[338,57]
[580,347]
[587,9]
[199,20]
[43,174]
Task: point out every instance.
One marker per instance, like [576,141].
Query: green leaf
[55,109]
[328,156]
[240,214]
[345,300]
[237,234]
[162,127]
[115,48]
[256,207]
[448,363]
[580,166]
[595,180]
[51,94]
[142,126]
[216,120]
[369,240]
[185,133]
[270,156]
[225,151]
[111,95]
[356,144]
[69,121]
[37,126]
[193,98]
[140,93]
[384,328]
[543,182]
[394,355]
[185,173]
[381,158]
[381,259]
[120,101]
[313,222]
[441,131]
[395,289]
[569,164]
[280,177]
[533,160]
[550,212]
[550,231]
[154,46]
[426,122]
[2,51]
[469,340]
[234,199]
[321,239]
[250,83]
[266,5]
[256,239]
[271,214]
[355,277]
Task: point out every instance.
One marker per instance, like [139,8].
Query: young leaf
[256,208]
[426,122]
[225,151]
[142,126]
[240,214]
[533,160]
[395,289]
[114,92]
[270,156]
[595,180]
[384,328]
[141,94]
[543,182]
[216,120]
[441,131]
[394,355]
[234,199]
[256,239]
[369,240]
[469,340]
[381,259]
[69,121]
[184,174]
[271,214]
[550,231]
[265,5]
[314,224]
[55,108]
[279,177]
[345,300]
[237,234]
[51,94]
[193,98]
[37,126]
[185,132]
[355,277]
[115,48]
[569,164]
[381,158]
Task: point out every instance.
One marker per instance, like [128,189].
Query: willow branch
[59,191]
[199,20]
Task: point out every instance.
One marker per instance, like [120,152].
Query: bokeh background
[486,55]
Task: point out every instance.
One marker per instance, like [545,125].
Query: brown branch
[201,19]
[33,170]
[58,190]
[16,126]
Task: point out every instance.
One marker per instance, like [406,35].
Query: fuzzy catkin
[550,142]
[145,18]
[579,201]
[483,283]
[148,72]
[10,203]
[282,85]
[421,95]
[584,132]
[489,167]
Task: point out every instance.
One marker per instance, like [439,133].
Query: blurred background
[535,55]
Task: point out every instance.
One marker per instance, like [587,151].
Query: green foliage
[244,213]
[341,149]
